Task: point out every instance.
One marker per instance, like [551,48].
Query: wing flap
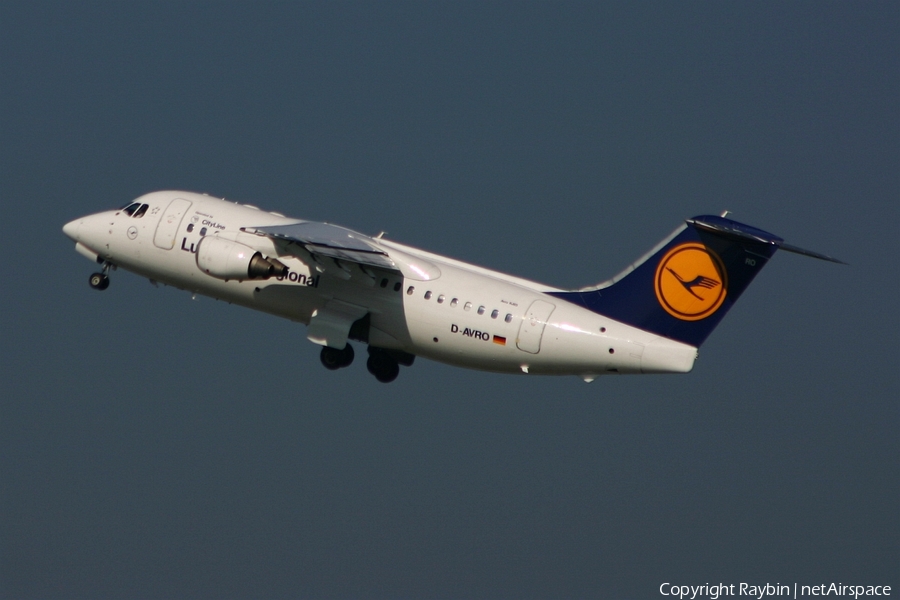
[331,241]
[363,258]
[322,240]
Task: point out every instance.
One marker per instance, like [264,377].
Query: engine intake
[226,260]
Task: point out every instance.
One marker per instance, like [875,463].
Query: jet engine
[232,260]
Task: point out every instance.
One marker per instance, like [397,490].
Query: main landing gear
[334,359]
[383,364]
[100,281]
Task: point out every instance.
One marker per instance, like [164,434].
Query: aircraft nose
[71,229]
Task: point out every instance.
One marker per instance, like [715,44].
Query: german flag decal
[499,340]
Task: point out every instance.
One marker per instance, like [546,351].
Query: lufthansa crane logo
[690,282]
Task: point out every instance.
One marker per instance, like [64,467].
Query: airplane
[403,302]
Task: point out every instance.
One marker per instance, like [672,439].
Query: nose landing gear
[100,281]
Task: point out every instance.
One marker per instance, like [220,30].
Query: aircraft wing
[324,241]
[331,241]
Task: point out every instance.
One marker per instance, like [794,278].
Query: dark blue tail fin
[683,287]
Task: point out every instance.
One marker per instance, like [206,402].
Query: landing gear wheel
[383,367]
[330,358]
[333,359]
[99,281]
[347,355]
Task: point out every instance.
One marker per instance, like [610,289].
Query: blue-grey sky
[153,446]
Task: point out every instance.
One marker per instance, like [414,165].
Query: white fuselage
[458,313]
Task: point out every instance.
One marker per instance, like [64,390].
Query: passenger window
[397,286]
[481,310]
[140,212]
[454,302]
[202,231]
[129,210]
[441,299]
[467,306]
[190,227]
[428,295]
[494,313]
[384,283]
[508,318]
[410,290]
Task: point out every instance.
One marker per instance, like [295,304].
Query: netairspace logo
[749,590]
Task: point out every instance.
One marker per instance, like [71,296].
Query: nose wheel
[100,281]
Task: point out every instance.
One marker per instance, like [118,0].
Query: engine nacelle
[232,260]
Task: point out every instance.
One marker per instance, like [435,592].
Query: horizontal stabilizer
[738,231]
[797,250]
[733,230]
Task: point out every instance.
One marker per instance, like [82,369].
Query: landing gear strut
[100,281]
[332,358]
[382,365]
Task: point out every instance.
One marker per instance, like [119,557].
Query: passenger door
[167,229]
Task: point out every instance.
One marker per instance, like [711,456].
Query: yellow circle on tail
[690,282]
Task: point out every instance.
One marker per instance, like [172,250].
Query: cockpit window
[140,212]
[129,210]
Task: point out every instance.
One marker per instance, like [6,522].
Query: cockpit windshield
[135,209]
